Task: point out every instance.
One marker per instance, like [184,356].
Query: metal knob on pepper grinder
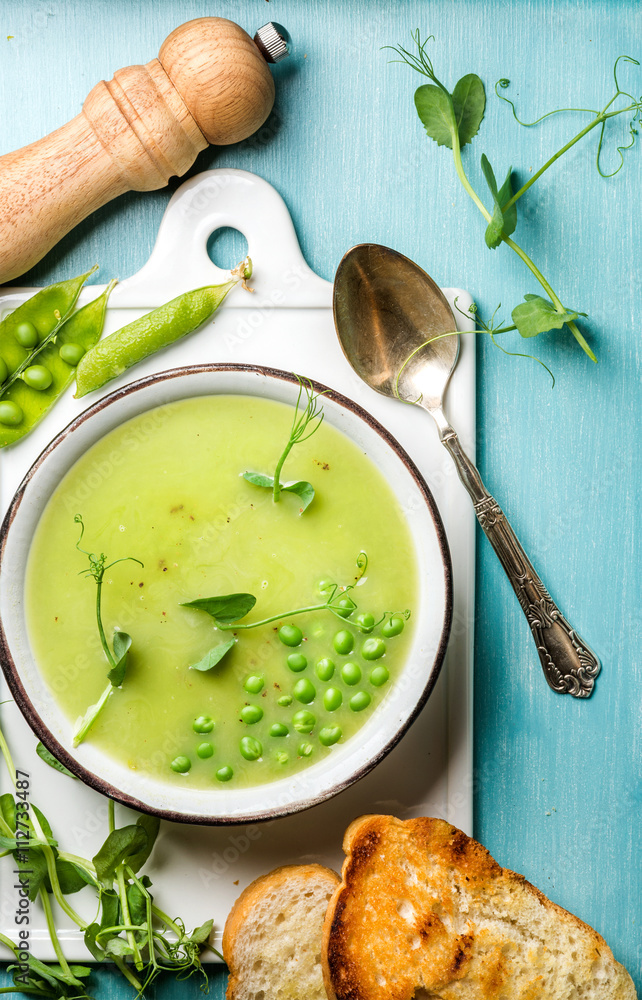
[210,84]
[273,42]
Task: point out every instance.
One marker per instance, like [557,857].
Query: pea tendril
[453,120]
[304,425]
[130,929]
[227,611]
[121,641]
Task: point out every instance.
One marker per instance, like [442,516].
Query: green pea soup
[166,487]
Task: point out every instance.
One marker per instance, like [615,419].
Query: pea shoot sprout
[453,120]
[227,611]
[304,425]
[121,642]
[129,930]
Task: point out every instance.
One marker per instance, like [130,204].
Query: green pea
[304,691]
[204,724]
[279,729]
[304,722]
[344,607]
[305,749]
[251,714]
[332,699]
[284,700]
[343,642]
[359,701]
[325,586]
[254,684]
[297,662]
[351,672]
[37,377]
[225,773]
[330,735]
[325,669]
[393,626]
[4,371]
[365,621]
[372,649]
[10,413]
[26,334]
[204,750]
[290,635]
[71,354]
[181,764]
[379,675]
[250,748]
[282,757]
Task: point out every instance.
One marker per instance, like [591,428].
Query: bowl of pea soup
[226,594]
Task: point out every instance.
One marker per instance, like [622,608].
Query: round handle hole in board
[226,247]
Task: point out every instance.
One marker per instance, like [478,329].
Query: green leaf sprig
[227,611]
[490,328]
[52,761]
[118,655]
[130,930]
[304,425]
[453,119]
[214,655]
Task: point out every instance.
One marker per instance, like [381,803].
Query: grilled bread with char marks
[425,911]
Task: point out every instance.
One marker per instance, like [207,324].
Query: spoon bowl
[394,325]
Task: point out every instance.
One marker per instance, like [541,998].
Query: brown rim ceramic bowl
[349,761]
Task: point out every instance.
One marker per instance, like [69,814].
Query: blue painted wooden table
[558,790]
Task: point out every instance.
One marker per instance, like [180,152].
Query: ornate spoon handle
[569,665]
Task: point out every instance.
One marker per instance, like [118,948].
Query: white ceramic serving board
[287,323]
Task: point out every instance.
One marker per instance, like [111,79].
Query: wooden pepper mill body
[209,84]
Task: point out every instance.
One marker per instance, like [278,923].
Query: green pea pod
[45,309]
[157,329]
[83,328]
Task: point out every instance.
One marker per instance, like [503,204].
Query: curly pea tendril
[453,119]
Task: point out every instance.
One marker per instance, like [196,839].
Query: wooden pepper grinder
[210,84]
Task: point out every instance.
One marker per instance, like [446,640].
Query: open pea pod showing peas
[44,310]
[41,343]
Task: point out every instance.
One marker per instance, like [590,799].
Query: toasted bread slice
[272,936]
[424,911]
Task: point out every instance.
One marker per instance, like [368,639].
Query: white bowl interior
[347,761]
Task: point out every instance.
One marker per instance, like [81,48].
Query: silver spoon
[385,310]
